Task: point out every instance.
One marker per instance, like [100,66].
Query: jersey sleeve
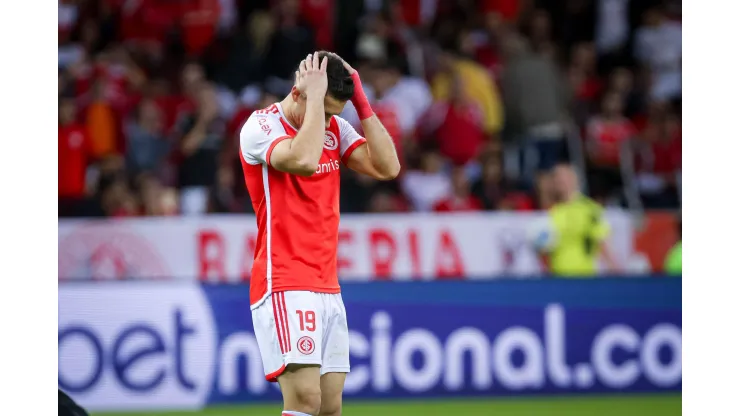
[258,137]
[349,139]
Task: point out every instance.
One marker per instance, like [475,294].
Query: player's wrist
[359,99]
[315,97]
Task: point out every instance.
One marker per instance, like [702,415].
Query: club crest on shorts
[306,345]
[330,141]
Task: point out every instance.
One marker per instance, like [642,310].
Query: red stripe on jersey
[351,148]
[272,146]
[285,315]
[278,323]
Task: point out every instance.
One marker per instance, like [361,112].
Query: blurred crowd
[483,99]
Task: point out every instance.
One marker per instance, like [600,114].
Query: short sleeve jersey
[297,217]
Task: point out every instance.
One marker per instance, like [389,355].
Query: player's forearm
[381,149]
[307,146]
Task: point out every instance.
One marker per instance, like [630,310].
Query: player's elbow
[304,167]
[390,172]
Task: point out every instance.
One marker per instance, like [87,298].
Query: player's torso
[298,221]
[577,248]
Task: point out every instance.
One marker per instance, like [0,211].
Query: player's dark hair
[340,85]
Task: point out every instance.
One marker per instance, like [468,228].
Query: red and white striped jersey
[297,217]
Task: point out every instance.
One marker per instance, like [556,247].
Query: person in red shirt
[658,161]
[607,131]
[461,199]
[74,152]
[199,21]
[457,127]
[606,135]
[291,153]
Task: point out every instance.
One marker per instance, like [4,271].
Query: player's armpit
[283,158]
[359,161]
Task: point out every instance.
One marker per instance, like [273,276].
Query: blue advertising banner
[143,345]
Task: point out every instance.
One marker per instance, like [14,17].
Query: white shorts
[300,327]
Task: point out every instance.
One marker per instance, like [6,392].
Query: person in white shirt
[658,47]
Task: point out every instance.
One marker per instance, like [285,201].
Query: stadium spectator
[622,81]
[612,32]
[147,147]
[658,46]
[486,43]
[657,156]
[116,197]
[584,61]
[199,22]
[385,201]
[101,122]
[476,83]
[221,198]
[508,10]
[607,133]
[245,60]
[407,96]
[456,125]
[539,32]
[495,191]
[74,153]
[118,64]
[535,98]
[292,41]
[200,133]
[428,184]
[461,199]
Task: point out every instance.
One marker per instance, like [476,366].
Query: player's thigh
[332,385]
[301,387]
[335,354]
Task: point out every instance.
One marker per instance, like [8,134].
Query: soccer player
[290,153]
[580,228]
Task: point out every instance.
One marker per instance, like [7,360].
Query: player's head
[339,90]
[565,180]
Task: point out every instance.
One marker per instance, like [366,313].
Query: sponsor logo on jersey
[327,167]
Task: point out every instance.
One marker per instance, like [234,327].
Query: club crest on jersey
[305,345]
[330,141]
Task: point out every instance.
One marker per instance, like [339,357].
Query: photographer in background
[577,230]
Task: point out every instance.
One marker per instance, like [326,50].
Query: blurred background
[536,219]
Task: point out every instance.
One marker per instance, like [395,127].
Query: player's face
[332,107]
[565,180]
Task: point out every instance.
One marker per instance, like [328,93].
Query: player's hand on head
[347,66]
[311,76]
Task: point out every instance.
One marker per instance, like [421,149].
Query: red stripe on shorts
[278,323]
[285,315]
